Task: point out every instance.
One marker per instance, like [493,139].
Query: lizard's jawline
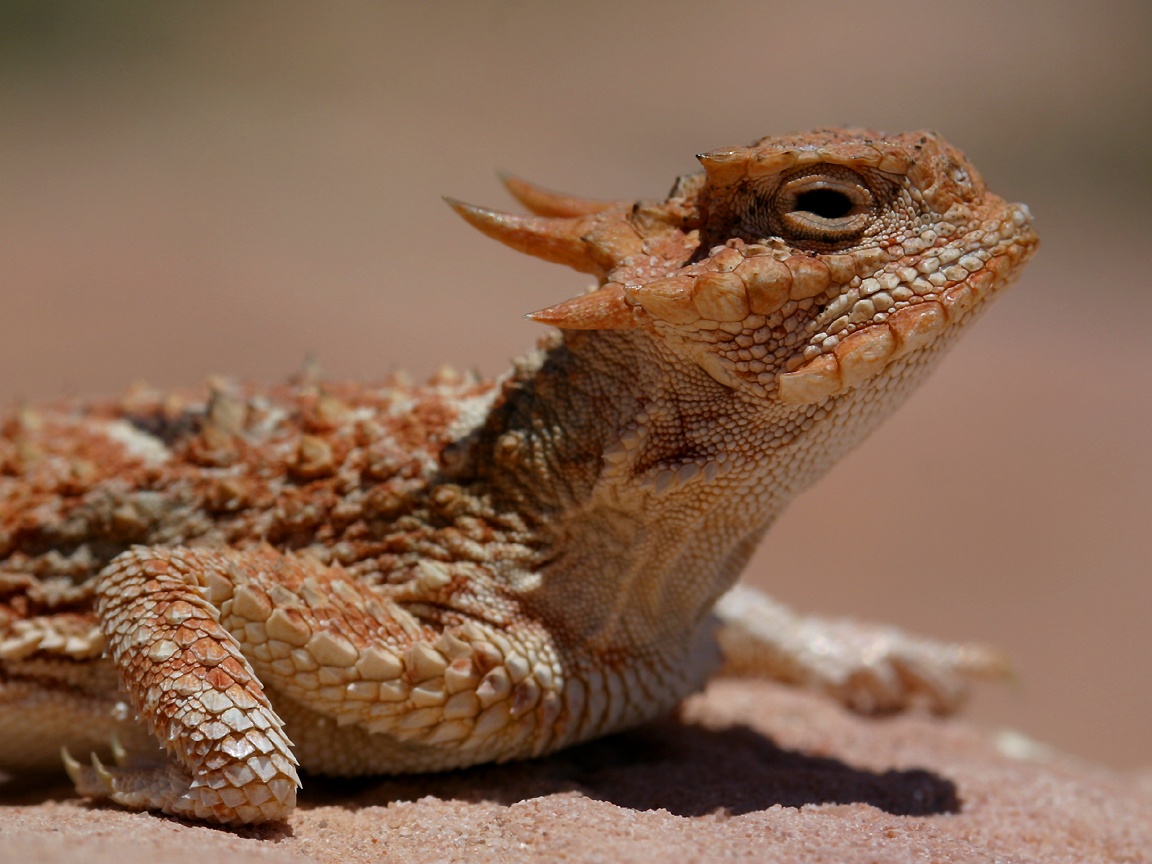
[867,351]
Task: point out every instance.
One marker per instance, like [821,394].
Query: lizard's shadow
[686,769]
[681,767]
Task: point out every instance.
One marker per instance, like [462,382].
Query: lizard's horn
[546,202]
[724,167]
[560,241]
[595,243]
[602,309]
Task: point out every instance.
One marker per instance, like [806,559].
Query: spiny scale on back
[417,578]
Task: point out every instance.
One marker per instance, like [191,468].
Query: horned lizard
[220,586]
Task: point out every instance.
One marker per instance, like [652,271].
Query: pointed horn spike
[557,240]
[547,202]
[724,167]
[603,309]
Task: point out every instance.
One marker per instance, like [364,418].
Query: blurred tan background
[189,189]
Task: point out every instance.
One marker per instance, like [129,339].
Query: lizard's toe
[235,798]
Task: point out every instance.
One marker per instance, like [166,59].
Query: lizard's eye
[828,205]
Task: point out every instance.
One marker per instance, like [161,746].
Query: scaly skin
[403,578]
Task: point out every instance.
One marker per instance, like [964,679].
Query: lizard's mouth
[847,362]
[833,364]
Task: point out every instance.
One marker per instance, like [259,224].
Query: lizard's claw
[94,781]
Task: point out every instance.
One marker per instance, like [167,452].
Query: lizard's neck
[644,482]
[645,485]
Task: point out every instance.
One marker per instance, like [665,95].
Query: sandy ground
[748,772]
[199,190]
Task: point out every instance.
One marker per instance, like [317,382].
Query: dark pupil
[826,203]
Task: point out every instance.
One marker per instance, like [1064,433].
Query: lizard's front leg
[229,758]
[869,668]
[372,686]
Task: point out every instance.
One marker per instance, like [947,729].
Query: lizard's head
[792,270]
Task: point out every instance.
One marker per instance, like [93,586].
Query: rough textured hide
[385,579]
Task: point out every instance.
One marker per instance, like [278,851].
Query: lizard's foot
[869,669]
[160,784]
[230,760]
